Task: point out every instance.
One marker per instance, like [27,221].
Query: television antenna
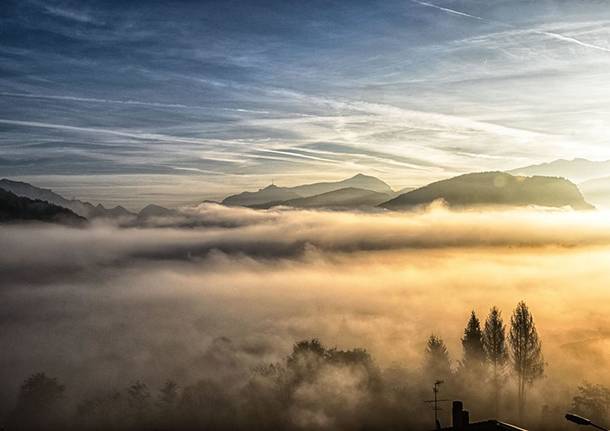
[435,401]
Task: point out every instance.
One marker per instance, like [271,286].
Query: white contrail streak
[571,40]
[553,35]
[125,102]
[451,11]
[134,135]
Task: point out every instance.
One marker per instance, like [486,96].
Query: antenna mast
[435,401]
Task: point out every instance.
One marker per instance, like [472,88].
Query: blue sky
[177,101]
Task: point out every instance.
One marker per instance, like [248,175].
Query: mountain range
[357,192]
[83,209]
[273,194]
[18,208]
[475,189]
[346,198]
[592,177]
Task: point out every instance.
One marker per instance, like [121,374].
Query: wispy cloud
[69,14]
[128,102]
[95,89]
[540,32]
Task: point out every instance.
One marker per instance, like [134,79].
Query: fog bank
[102,306]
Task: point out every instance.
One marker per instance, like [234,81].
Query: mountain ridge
[83,209]
[494,188]
[577,170]
[273,193]
[14,208]
[349,197]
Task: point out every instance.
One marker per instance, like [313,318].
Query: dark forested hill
[15,208]
[84,209]
[494,188]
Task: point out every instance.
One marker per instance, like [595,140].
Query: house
[461,422]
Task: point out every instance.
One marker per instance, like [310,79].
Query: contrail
[451,11]
[571,40]
[125,102]
[557,36]
[135,135]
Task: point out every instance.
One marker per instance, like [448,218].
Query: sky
[175,102]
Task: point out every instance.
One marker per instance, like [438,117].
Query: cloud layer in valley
[223,297]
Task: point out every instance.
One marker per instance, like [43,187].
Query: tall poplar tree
[525,351]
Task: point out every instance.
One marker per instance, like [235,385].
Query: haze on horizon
[182,102]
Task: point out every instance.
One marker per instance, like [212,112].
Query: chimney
[465,418]
[457,415]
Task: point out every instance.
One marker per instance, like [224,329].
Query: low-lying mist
[219,292]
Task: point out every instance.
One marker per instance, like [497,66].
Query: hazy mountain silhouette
[18,208]
[273,194]
[359,181]
[576,170]
[349,197]
[494,188]
[153,210]
[597,191]
[84,209]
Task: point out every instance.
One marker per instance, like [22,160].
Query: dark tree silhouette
[526,351]
[102,412]
[436,361]
[593,402]
[306,358]
[494,344]
[139,403]
[38,403]
[168,395]
[472,343]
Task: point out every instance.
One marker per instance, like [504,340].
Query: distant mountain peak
[577,169]
[275,194]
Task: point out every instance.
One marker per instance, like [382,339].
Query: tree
[494,344]
[472,343]
[436,362]
[593,402]
[526,351]
[168,395]
[306,359]
[38,403]
[139,403]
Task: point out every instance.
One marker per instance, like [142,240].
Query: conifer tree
[472,342]
[436,362]
[494,344]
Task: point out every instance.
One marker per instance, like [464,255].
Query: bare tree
[526,351]
[494,344]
